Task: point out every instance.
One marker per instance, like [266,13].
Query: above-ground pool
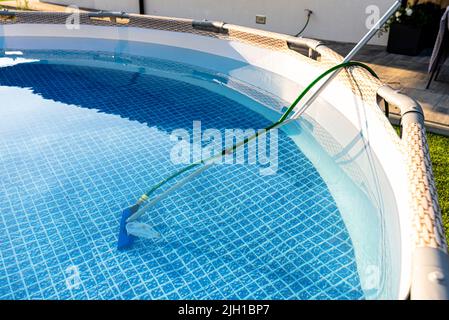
[80,143]
[87,120]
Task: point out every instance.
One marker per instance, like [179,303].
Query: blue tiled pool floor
[79,144]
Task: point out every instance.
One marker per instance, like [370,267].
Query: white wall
[131,6]
[339,20]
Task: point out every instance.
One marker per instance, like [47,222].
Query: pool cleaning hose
[129,229]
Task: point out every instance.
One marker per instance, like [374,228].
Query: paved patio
[409,74]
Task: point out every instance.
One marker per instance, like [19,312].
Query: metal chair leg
[432,75]
[437,74]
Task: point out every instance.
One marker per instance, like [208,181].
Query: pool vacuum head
[126,240]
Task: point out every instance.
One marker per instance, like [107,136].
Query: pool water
[78,144]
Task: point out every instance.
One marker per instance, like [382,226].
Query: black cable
[309,13]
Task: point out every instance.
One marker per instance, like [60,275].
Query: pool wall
[349,110]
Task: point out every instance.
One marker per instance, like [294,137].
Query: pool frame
[429,274]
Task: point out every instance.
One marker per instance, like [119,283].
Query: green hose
[284,117]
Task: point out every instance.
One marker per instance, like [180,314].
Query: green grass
[439,153]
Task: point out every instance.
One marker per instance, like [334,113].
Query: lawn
[439,153]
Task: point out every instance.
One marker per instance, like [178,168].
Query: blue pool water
[78,144]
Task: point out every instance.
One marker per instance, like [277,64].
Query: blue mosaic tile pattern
[80,144]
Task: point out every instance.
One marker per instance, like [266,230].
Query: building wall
[110,5]
[339,20]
